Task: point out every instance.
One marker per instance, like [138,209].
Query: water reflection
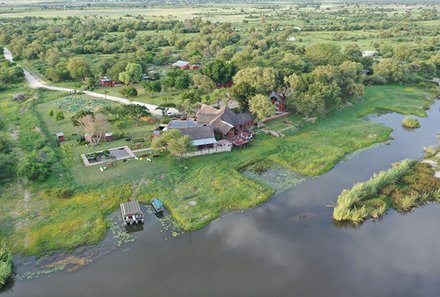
[134,228]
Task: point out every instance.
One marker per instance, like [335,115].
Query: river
[288,246]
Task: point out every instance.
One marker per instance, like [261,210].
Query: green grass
[311,151]
[195,190]
[143,96]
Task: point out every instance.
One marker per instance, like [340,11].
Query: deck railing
[218,149]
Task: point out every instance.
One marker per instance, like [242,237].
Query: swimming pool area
[101,157]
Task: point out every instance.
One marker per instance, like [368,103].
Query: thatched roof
[208,114]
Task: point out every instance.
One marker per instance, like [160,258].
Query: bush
[411,123]
[260,167]
[37,164]
[430,151]
[63,192]
[129,91]
[5,265]
[8,165]
[375,80]
[152,86]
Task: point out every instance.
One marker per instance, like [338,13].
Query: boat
[157,205]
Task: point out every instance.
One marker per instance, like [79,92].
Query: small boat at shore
[157,205]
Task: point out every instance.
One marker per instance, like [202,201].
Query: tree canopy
[132,74]
[261,106]
[263,80]
[174,141]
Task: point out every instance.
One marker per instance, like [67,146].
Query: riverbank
[286,241]
[196,190]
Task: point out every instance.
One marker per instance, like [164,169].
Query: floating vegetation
[276,176]
[39,273]
[260,167]
[411,123]
[79,257]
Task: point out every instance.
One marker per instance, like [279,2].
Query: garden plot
[74,103]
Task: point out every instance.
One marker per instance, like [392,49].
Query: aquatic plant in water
[411,123]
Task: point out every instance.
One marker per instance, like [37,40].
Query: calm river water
[287,247]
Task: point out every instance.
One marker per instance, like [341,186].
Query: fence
[218,149]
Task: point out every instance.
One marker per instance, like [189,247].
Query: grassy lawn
[312,151]
[143,96]
[195,190]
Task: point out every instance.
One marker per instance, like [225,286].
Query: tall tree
[263,80]
[135,112]
[391,70]
[261,106]
[203,83]
[242,92]
[94,127]
[78,68]
[132,74]
[219,71]
[324,53]
[174,141]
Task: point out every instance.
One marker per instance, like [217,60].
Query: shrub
[260,167]
[63,192]
[8,165]
[5,265]
[430,151]
[129,91]
[375,80]
[37,164]
[411,123]
[59,116]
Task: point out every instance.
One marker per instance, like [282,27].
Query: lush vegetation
[5,265]
[411,123]
[195,190]
[311,54]
[404,186]
[297,58]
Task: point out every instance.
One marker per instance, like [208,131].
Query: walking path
[36,83]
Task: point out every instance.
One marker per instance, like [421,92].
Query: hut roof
[130,208]
[207,113]
[180,63]
[179,124]
[199,132]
